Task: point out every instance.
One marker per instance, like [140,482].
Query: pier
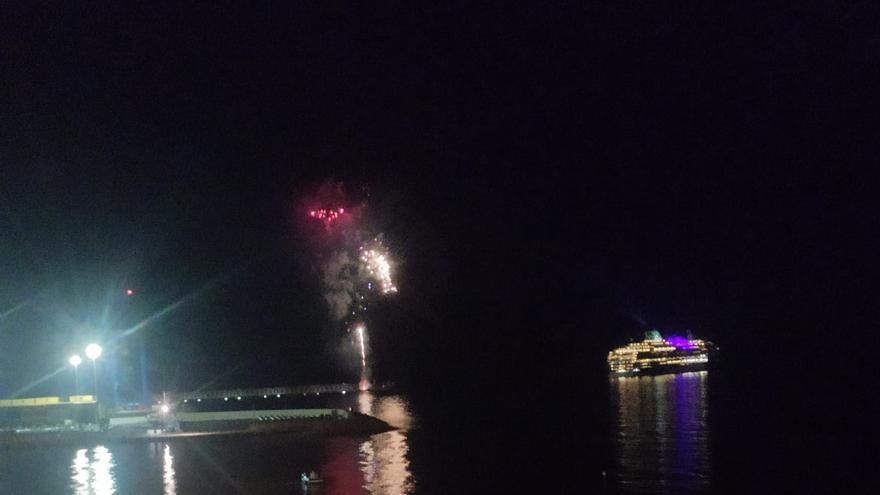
[332,388]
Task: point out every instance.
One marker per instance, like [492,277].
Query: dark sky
[554,179]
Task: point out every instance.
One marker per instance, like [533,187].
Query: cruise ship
[657,355]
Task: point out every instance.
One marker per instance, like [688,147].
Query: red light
[129,292]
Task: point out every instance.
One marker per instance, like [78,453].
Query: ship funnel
[653,334]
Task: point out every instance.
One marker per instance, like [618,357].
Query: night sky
[554,181]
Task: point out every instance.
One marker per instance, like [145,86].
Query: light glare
[93,351]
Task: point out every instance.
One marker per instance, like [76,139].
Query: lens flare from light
[93,351]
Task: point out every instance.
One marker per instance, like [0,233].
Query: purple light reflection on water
[678,341]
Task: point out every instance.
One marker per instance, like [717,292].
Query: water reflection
[379,464]
[384,459]
[93,475]
[267,464]
[662,433]
[168,480]
[80,469]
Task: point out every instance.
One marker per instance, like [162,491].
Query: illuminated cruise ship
[656,355]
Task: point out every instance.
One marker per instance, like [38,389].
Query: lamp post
[93,352]
[75,361]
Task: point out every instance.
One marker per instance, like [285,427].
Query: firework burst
[377,264]
[328,216]
[354,272]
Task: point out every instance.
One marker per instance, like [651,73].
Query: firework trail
[360,333]
[364,382]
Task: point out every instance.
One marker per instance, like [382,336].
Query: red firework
[327,215]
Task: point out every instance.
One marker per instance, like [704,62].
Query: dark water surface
[658,443]
[247,464]
[683,433]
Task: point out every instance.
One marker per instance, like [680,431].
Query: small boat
[311,478]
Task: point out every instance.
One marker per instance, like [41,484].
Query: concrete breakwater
[311,421]
[317,422]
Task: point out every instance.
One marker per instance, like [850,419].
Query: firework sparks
[378,265]
[328,216]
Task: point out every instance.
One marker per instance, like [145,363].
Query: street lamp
[75,361]
[93,352]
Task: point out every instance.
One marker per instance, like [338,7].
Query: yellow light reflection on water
[662,433]
[383,457]
[93,476]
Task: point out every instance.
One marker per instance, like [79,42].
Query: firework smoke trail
[340,284]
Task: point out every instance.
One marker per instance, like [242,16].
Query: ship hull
[663,370]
